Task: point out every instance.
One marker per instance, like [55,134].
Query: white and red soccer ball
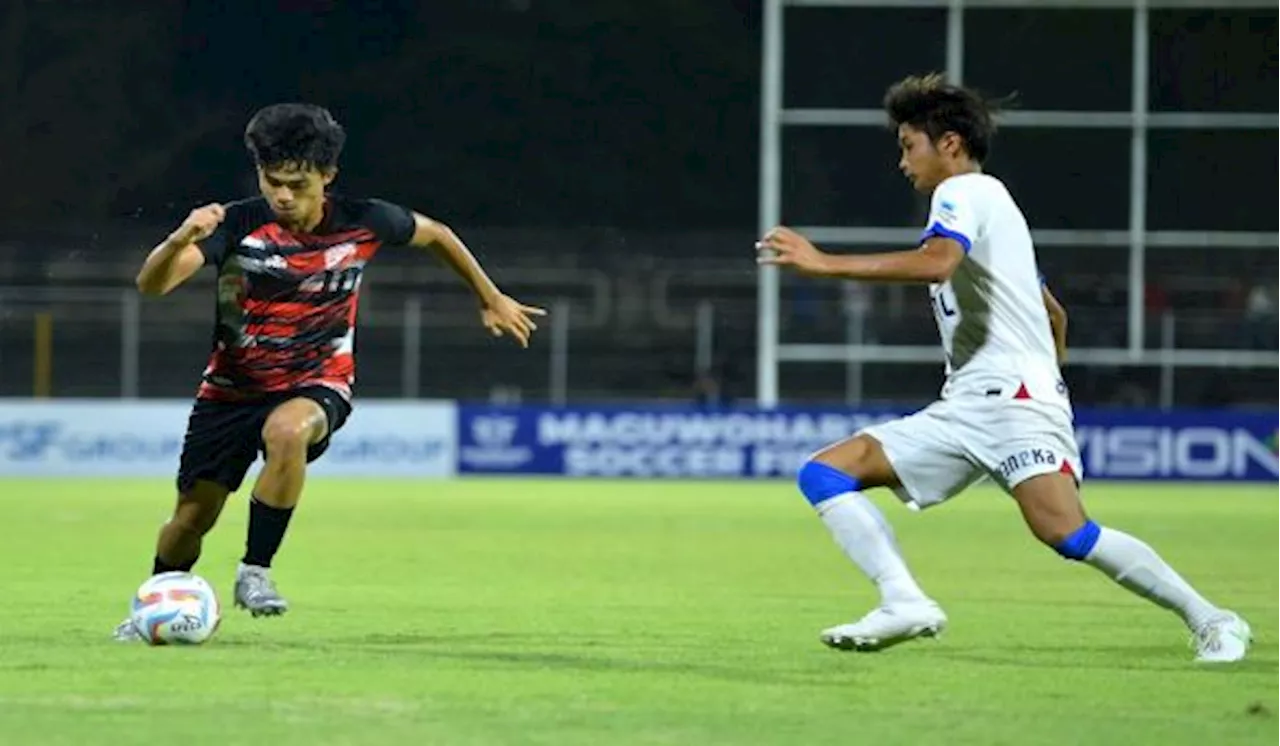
[176,608]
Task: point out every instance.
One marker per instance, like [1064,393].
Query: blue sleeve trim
[1043,282]
[937,229]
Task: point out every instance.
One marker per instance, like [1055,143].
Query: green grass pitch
[579,612]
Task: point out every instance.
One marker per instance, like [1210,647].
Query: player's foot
[887,626]
[127,632]
[256,592]
[1223,639]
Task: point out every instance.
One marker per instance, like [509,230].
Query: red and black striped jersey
[286,309]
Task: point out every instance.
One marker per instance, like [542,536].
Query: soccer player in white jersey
[1004,411]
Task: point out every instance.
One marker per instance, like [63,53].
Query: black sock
[266,530]
[158,566]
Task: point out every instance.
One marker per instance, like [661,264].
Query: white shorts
[947,446]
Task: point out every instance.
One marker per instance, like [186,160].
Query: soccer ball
[176,608]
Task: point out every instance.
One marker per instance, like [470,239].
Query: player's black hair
[932,105]
[294,134]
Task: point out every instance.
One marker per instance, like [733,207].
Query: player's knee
[285,439]
[820,482]
[1074,545]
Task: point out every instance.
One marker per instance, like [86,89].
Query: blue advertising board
[623,441]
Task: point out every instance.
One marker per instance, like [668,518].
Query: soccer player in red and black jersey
[279,379]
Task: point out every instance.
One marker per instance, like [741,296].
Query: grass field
[545,612]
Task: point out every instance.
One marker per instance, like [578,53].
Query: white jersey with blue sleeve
[990,313]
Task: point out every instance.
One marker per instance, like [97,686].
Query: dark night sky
[497,111]
[609,112]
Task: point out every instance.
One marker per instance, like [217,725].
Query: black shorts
[224,438]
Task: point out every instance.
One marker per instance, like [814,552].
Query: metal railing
[775,116]
[419,338]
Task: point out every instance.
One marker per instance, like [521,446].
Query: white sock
[867,540]
[1136,566]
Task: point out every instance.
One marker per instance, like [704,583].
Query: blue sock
[1078,545]
[820,482]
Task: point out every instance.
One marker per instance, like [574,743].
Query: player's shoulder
[391,222]
[981,194]
[360,210]
[248,213]
[974,186]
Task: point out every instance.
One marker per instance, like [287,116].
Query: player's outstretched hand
[199,225]
[506,315]
[783,247]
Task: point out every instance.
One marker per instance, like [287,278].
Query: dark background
[493,112]
[610,144]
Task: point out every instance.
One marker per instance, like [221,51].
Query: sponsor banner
[144,439]
[679,442]
[647,442]
[393,439]
[1185,445]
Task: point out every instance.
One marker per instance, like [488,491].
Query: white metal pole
[1138,179]
[855,327]
[770,203]
[559,373]
[411,357]
[705,339]
[955,41]
[1167,341]
[130,342]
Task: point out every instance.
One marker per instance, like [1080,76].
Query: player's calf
[1053,511]
[867,540]
[290,429]
[196,513]
[856,524]
[255,591]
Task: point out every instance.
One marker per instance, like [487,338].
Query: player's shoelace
[1208,639]
[258,587]
[261,587]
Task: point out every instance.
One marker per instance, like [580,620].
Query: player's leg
[217,451]
[911,456]
[295,432]
[833,481]
[1051,506]
[197,510]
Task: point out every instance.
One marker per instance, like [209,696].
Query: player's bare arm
[1057,322]
[175,259]
[934,261]
[499,313]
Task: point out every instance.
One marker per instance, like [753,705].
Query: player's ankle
[160,565]
[1196,616]
[902,592]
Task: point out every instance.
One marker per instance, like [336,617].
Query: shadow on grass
[572,653]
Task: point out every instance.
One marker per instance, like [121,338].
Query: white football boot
[127,632]
[1222,639]
[256,592]
[887,626]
